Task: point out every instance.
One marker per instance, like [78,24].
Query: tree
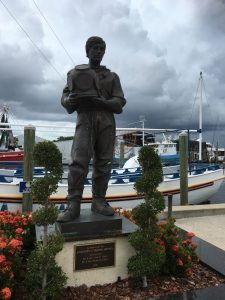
[150,255]
[44,277]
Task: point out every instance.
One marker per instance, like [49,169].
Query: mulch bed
[130,289]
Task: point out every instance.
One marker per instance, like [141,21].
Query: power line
[53,31]
[33,43]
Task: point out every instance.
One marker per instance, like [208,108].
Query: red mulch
[131,290]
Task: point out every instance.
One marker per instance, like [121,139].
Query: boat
[202,184]
[129,142]
[11,158]
[10,155]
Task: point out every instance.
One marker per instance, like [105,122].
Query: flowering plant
[125,212]
[13,228]
[180,250]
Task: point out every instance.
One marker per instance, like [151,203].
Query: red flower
[186,242]
[180,262]
[5,293]
[15,243]
[19,230]
[188,258]
[193,245]
[2,258]
[175,248]
[3,244]
[160,243]
[5,267]
[190,234]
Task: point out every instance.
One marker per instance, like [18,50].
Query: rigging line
[53,31]
[192,110]
[204,89]
[215,128]
[33,43]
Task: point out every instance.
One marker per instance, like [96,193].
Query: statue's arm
[117,101]
[69,99]
[66,103]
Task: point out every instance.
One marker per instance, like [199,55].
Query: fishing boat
[202,184]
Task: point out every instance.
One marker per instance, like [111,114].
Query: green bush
[180,250]
[44,278]
[150,255]
[41,262]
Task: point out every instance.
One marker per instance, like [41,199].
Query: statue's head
[94,40]
[95,48]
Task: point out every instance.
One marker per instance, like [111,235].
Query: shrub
[44,277]
[14,229]
[180,250]
[150,255]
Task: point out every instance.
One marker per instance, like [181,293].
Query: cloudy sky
[157,47]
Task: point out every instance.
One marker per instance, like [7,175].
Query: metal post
[170,205]
[29,141]
[183,145]
[142,120]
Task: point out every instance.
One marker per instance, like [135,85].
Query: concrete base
[190,211]
[123,251]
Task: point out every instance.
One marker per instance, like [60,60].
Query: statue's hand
[100,100]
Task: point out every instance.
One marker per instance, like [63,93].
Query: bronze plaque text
[94,256]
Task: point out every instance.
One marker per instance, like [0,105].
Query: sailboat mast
[200,119]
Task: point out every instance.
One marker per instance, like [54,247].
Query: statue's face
[96,52]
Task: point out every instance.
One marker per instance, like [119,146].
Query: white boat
[202,184]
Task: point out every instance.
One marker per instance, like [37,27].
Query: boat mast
[200,119]
[142,120]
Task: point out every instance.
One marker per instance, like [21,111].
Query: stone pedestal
[93,253]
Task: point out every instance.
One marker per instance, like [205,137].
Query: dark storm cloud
[22,83]
[157,49]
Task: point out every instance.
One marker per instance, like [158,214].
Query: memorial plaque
[91,256]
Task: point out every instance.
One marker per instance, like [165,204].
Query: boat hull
[200,188]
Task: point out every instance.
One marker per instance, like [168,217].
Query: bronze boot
[70,213]
[101,206]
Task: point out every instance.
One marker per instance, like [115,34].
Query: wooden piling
[28,167]
[183,145]
[121,154]
[170,206]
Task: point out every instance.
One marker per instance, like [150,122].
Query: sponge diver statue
[95,93]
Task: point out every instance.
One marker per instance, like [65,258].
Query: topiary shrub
[150,255]
[44,277]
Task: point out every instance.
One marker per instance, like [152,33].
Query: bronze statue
[96,94]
